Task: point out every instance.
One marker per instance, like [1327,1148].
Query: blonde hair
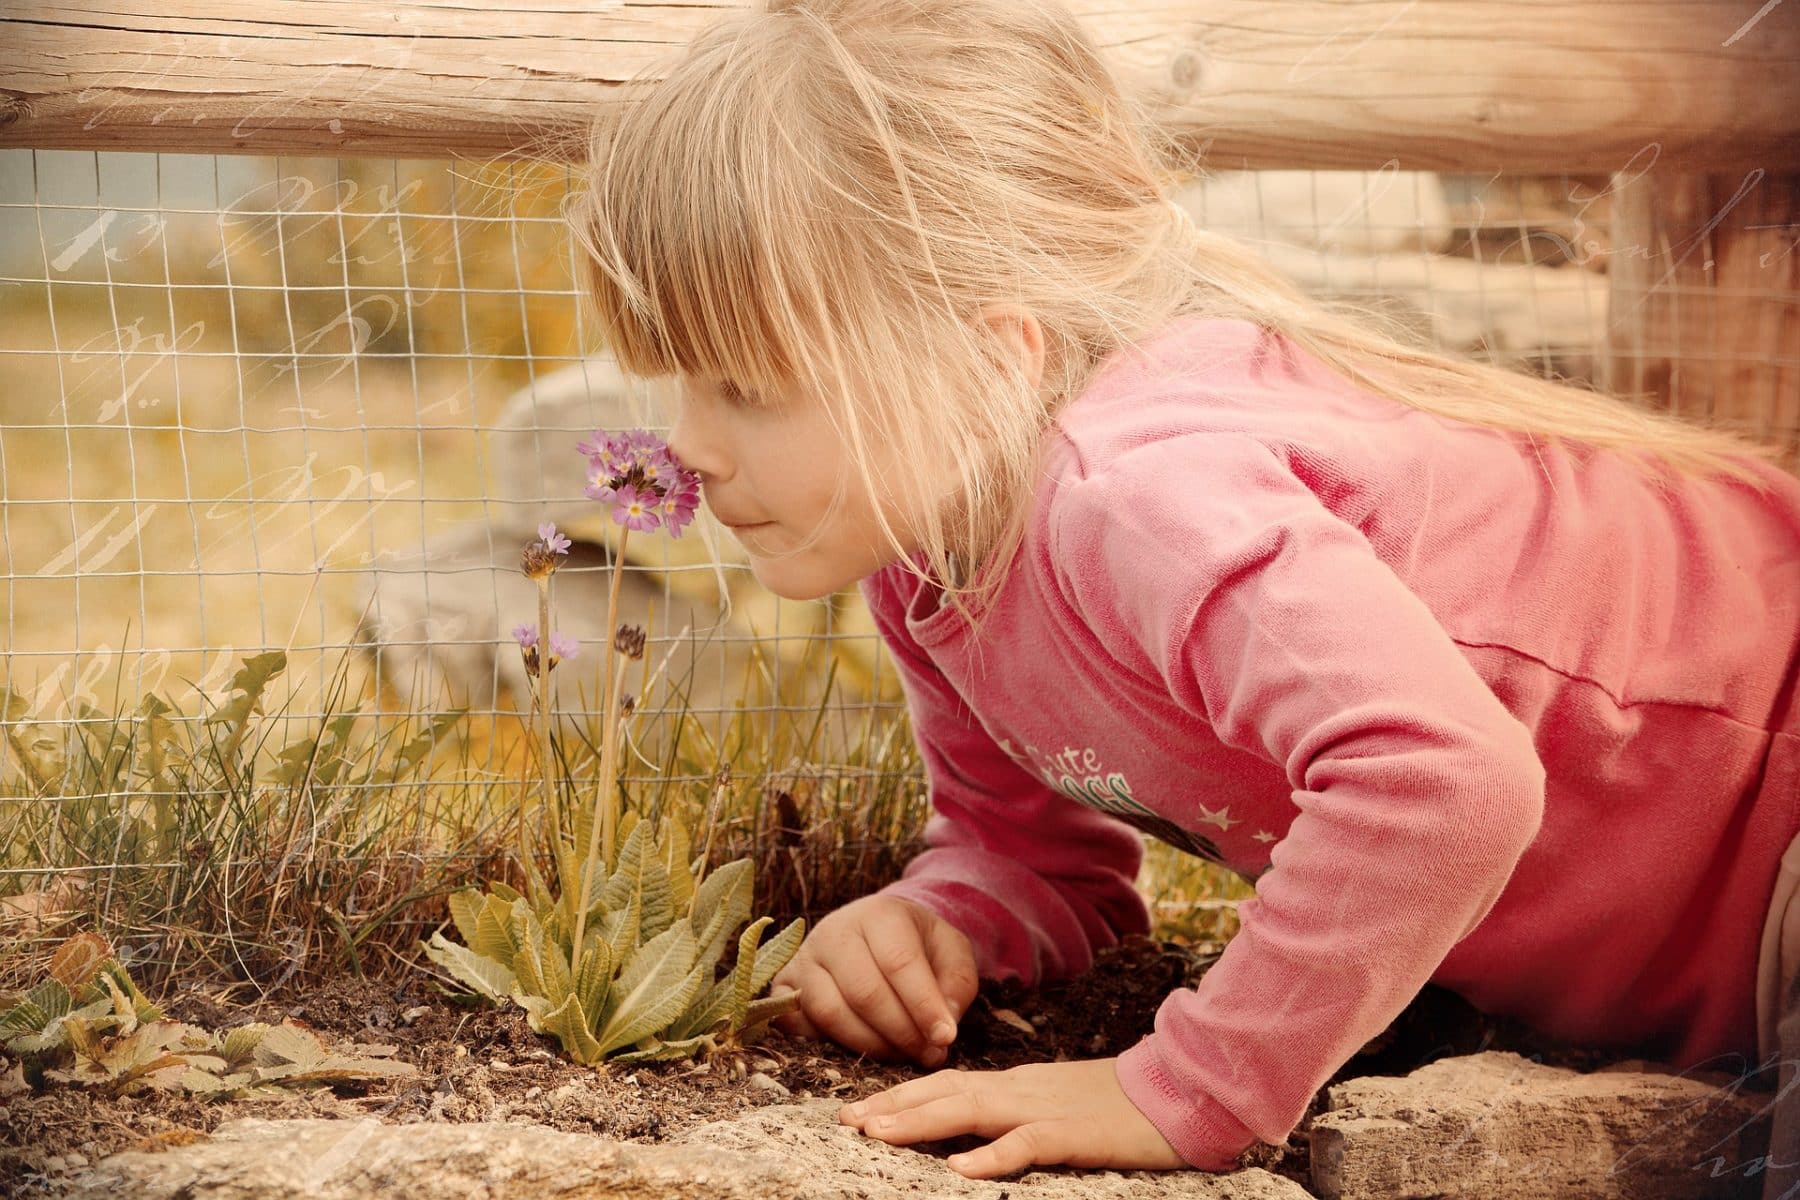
[825,193]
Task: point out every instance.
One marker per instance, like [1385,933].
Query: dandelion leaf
[247,687]
[411,756]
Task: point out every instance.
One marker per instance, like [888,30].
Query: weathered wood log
[1490,85]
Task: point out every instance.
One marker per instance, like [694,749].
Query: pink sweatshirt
[1506,718]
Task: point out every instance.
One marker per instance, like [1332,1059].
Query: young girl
[1484,680]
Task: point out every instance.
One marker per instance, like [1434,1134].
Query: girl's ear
[1018,336]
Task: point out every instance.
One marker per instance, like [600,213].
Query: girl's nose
[696,446]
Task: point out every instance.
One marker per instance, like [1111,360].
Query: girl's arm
[1036,881]
[1204,561]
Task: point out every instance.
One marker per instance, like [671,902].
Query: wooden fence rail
[1515,86]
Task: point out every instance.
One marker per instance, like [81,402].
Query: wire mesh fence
[317,406]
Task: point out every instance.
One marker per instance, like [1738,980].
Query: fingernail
[855,1112]
[943,1033]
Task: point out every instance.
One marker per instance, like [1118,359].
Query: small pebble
[413,1014]
[53,1164]
[833,1074]
[762,1082]
[533,1093]
[76,1161]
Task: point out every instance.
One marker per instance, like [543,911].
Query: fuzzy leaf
[465,911]
[639,876]
[721,905]
[289,1054]
[774,956]
[622,929]
[570,1025]
[659,1051]
[674,850]
[494,936]
[594,979]
[541,964]
[238,1046]
[141,1005]
[78,960]
[536,1009]
[724,1002]
[757,1017]
[37,1008]
[480,974]
[656,985]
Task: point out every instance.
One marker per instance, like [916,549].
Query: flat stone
[1496,1126]
[781,1151]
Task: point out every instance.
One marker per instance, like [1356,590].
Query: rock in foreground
[786,1152]
[1495,1126]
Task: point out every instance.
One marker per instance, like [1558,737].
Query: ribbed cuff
[1198,1126]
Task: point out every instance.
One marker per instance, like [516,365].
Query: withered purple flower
[629,641]
[543,556]
[563,648]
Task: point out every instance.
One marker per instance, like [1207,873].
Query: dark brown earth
[479,1064]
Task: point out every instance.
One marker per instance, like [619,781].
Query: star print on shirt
[1263,835]
[1222,818]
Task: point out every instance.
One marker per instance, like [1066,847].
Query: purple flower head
[639,478]
[635,508]
[526,636]
[563,647]
[553,541]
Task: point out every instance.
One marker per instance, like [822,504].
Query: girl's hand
[1071,1112]
[883,976]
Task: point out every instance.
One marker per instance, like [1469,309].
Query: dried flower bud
[537,561]
[626,708]
[629,641]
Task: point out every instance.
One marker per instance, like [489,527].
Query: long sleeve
[1036,881]
[1204,564]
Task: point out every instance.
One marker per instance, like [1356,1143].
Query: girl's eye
[736,395]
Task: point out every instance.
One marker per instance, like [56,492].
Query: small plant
[88,1024]
[618,954]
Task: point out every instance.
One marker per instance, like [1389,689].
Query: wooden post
[1704,312]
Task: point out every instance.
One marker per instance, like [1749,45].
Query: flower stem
[545,702]
[601,832]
